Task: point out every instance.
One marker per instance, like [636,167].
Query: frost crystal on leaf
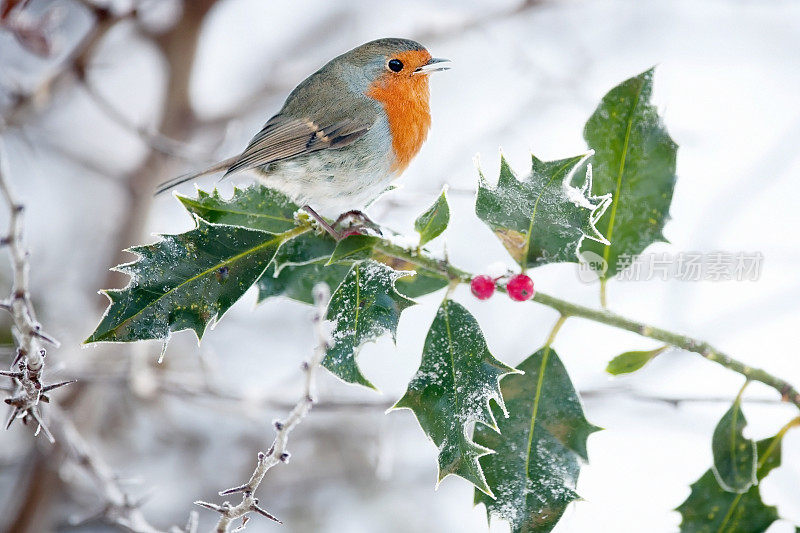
[255,207]
[185,281]
[538,450]
[451,390]
[434,221]
[364,307]
[735,461]
[634,161]
[710,508]
[542,218]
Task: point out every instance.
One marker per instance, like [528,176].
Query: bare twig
[116,506]
[30,339]
[72,66]
[29,392]
[277,452]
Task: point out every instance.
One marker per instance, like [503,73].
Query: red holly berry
[520,288]
[482,287]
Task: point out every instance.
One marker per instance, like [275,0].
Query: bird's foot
[356,219]
[324,224]
[350,223]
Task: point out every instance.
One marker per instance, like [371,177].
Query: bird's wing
[287,137]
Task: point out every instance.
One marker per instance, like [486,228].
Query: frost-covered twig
[277,452]
[116,506]
[28,392]
[74,63]
[28,389]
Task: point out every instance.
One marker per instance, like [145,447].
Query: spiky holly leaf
[422,283]
[628,362]
[364,307]
[255,207]
[539,449]
[186,281]
[304,249]
[542,218]
[451,389]
[711,509]
[634,161]
[434,221]
[297,281]
[353,248]
[734,456]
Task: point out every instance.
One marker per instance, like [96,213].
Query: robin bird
[345,132]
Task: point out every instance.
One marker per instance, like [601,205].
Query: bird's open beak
[434,65]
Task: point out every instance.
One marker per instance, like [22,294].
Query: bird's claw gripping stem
[364,224]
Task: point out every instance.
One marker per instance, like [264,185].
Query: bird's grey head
[367,62]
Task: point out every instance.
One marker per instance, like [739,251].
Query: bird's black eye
[395,65]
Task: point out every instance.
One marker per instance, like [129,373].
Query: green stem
[603,300]
[556,329]
[447,271]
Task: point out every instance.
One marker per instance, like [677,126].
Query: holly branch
[518,434]
[443,269]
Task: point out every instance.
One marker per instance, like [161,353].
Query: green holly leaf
[734,456]
[539,448]
[542,218]
[353,248]
[255,207]
[628,362]
[297,281]
[422,283]
[434,221]
[451,389]
[186,281]
[304,249]
[711,509]
[634,160]
[364,307]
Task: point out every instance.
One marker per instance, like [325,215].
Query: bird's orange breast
[405,99]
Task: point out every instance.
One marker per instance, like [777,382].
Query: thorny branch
[277,452]
[117,506]
[73,65]
[28,389]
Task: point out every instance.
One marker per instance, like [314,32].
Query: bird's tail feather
[174,182]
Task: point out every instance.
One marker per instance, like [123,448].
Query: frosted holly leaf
[734,455]
[422,283]
[540,446]
[634,161]
[298,265]
[363,307]
[451,390]
[185,281]
[297,281]
[434,220]
[542,218]
[304,249]
[255,207]
[711,509]
[353,248]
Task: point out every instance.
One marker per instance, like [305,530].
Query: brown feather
[285,137]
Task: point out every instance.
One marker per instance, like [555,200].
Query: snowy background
[524,79]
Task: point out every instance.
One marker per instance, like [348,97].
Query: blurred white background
[525,78]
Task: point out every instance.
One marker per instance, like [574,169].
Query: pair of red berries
[519,287]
